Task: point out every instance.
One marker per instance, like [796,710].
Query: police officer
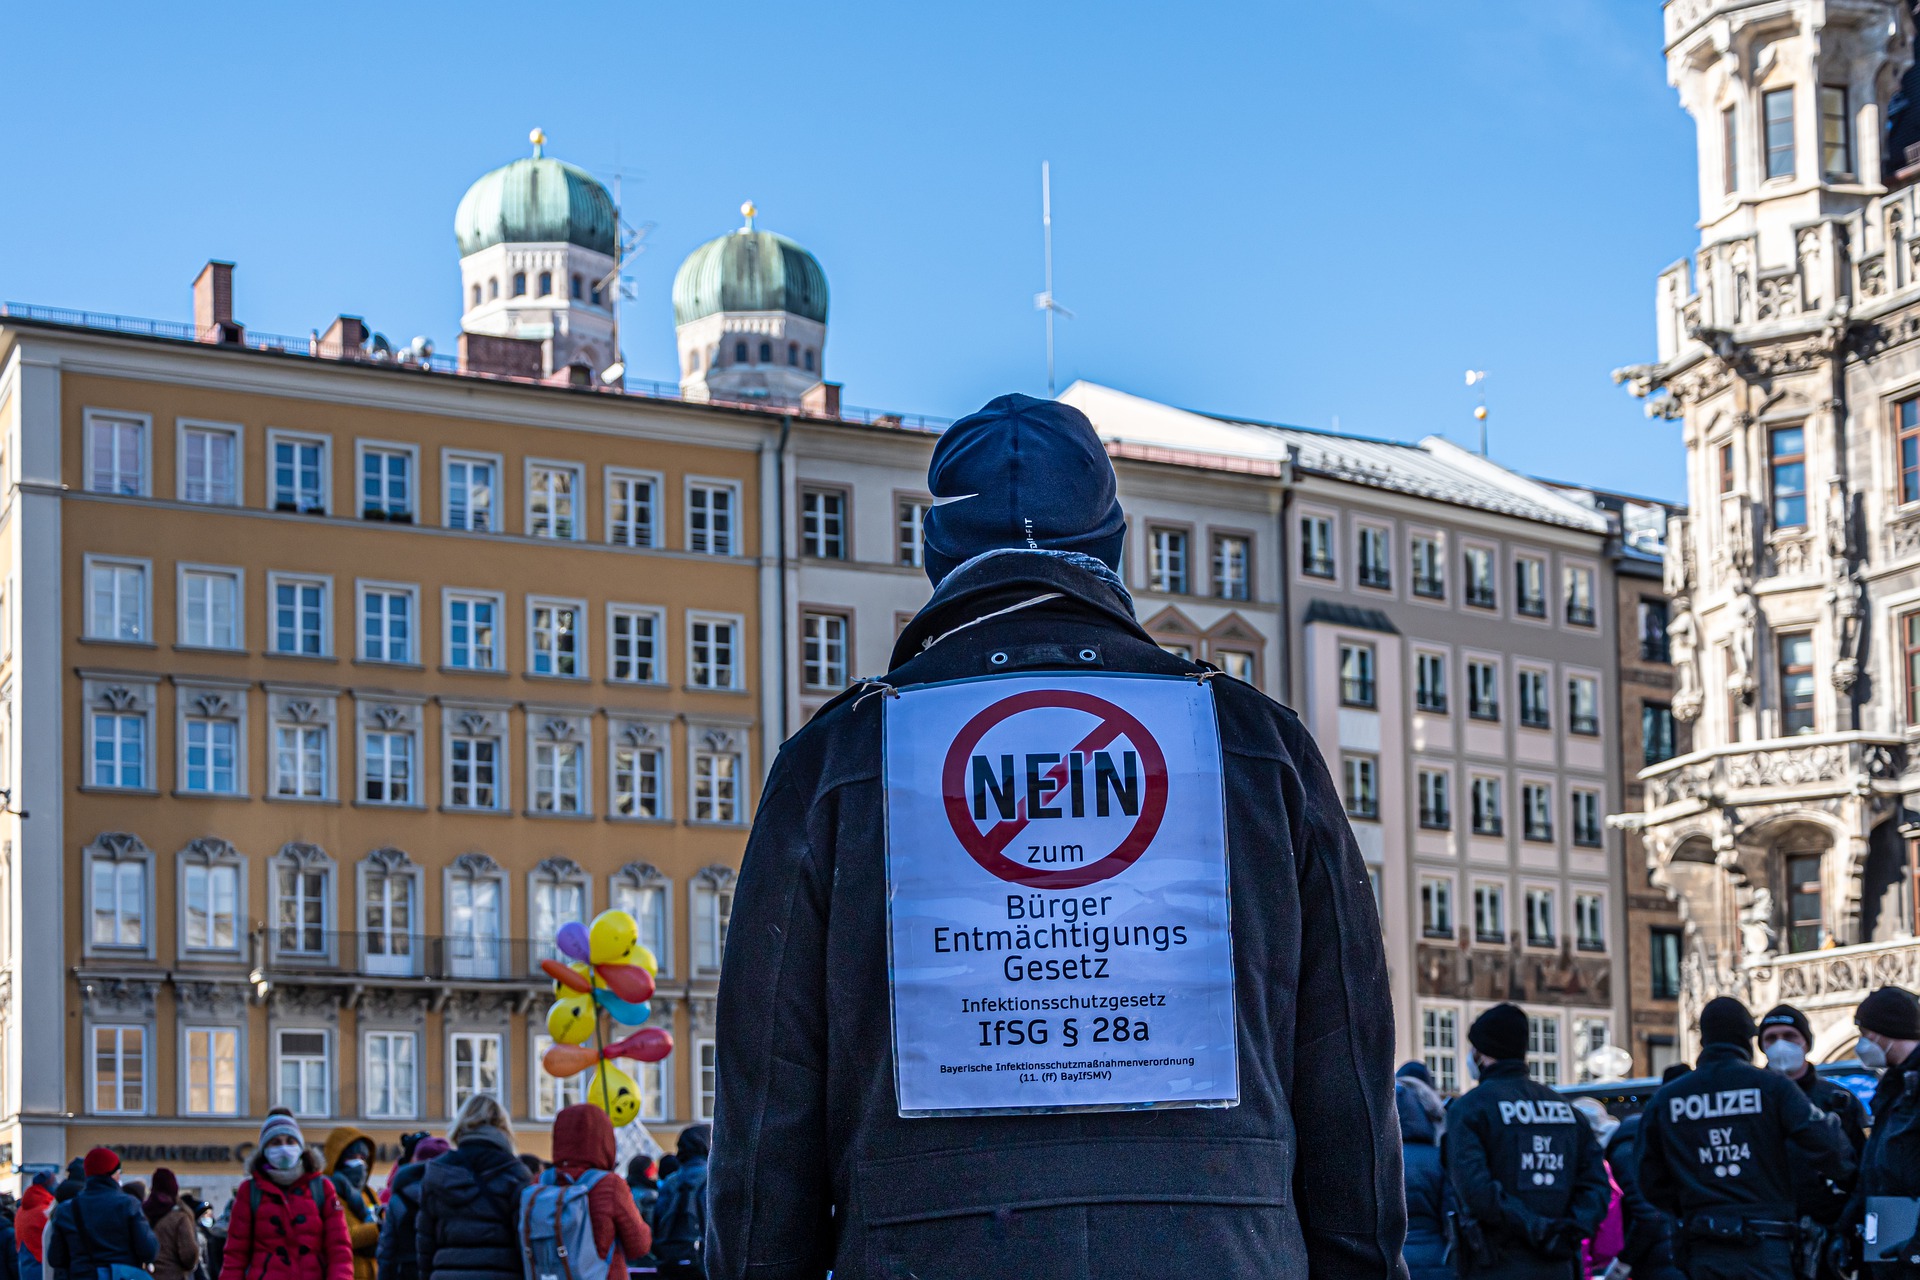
[1718,1148]
[1785,1039]
[813,1166]
[1889,1022]
[1522,1162]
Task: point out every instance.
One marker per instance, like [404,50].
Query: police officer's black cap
[1785,1015]
[1726,1021]
[1500,1032]
[1673,1072]
[1891,1011]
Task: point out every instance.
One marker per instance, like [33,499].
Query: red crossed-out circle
[988,847]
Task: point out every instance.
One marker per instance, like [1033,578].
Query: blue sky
[1299,213]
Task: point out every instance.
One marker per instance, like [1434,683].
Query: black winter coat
[467,1226]
[1521,1159]
[1890,1165]
[1426,1247]
[1728,1137]
[1648,1248]
[812,1166]
[396,1257]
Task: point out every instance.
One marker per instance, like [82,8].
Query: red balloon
[648,1044]
[628,981]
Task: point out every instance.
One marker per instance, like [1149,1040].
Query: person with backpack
[643,1184]
[101,1234]
[286,1222]
[579,1206]
[468,1224]
[396,1258]
[680,1215]
[348,1157]
[173,1223]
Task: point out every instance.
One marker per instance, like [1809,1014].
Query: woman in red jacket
[583,1141]
[287,1222]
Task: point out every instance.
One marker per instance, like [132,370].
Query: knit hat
[279,1125]
[429,1148]
[1021,473]
[1892,1012]
[1500,1032]
[45,1180]
[1415,1070]
[1673,1072]
[1785,1015]
[1726,1021]
[101,1162]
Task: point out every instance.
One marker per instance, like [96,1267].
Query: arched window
[793,355]
[576,288]
[476,295]
[493,288]
[739,353]
[519,284]
[809,359]
[596,297]
[546,284]
[766,353]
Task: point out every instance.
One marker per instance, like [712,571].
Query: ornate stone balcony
[1773,770]
[1826,985]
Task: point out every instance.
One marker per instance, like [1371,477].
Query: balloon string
[600,1038]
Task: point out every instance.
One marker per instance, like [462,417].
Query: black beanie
[1785,1015]
[1673,1072]
[1892,1012]
[1500,1032]
[1726,1021]
[1021,473]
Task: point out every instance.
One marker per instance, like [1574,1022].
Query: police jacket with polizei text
[813,1167]
[1725,1137]
[1520,1156]
[1890,1165]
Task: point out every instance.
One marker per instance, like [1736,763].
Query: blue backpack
[556,1230]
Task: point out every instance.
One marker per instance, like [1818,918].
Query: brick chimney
[821,400]
[345,339]
[502,357]
[213,306]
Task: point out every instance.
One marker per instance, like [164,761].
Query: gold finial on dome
[748,210]
[539,140]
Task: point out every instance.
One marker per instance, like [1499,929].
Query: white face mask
[1871,1055]
[1473,1066]
[1786,1057]
[283,1157]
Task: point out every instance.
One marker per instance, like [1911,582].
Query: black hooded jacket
[467,1225]
[812,1166]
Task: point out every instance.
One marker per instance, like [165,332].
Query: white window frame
[736,668]
[657,487]
[277,437]
[707,923]
[410,733]
[1331,523]
[1569,570]
[1542,905]
[705,1079]
[582,620]
[145,1058]
[141,715]
[1492,554]
[1440,1044]
[1575,795]
[449,596]
[554,873]
[1381,536]
[209,856]
[449,457]
[644,878]
[361,448]
[1430,926]
[1436,661]
[699,754]
[234,432]
[119,851]
[1498,890]
[808,642]
[144,421]
[814,541]
[392,1036]
[1536,787]
[479,724]
[234,574]
[1547,1057]
[631,739]
[302,861]
[395,866]
[658,616]
[1543,685]
[276,580]
[578,472]
[502,1084]
[1445,775]
[550,1094]
[1583,1024]
[329,1081]
[188,1031]
[538,770]
[198,700]
[1588,900]
[1498,793]
[1544,567]
[733,514]
[324,727]
[145,569]
[361,587]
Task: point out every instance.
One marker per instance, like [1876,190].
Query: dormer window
[519,284]
[1836,133]
[546,284]
[1777,105]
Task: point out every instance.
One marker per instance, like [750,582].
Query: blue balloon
[624,1012]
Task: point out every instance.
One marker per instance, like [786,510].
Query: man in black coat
[814,1166]
[101,1227]
[1523,1164]
[1889,1022]
[1786,1037]
[1719,1149]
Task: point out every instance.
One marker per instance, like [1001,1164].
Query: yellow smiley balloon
[571,1021]
[613,1091]
[612,938]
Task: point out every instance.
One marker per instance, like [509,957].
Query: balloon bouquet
[611,973]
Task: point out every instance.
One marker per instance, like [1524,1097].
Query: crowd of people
[1729,1170]
[469,1206]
